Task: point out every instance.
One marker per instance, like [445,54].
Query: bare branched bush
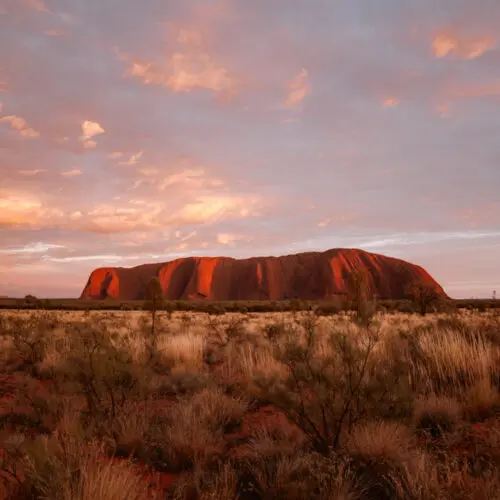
[25,341]
[326,392]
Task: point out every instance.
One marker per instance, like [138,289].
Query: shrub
[324,393]
[218,483]
[61,468]
[482,400]
[105,375]
[363,301]
[27,341]
[437,415]
[423,295]
[383,460]
[194,427]
[298,476]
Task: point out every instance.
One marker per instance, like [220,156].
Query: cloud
[391,102]
[35,171]
[71,173]
[89,130]
[189,37]
[194,204]
[229,239]
[188,70]
[198,71]
[19,124]
[21,210]
[404,239]
[156,215]
[37,5]
[187,177]
[298,89]
[191,180]
[102,258]
[186,73]
[443,110]
[16,210]
[473,90]
[209,209]
[448,43]
[33,248]
[115,155]
[133,160]
[54,32]
[112,219]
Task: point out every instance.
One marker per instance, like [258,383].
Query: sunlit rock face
[309,276]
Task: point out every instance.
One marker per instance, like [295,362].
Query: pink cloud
[35,171]
[4,83]
[37,5]
[298,89]
[443,110]
[133,160]
[391,102]
[230,239]
[19,124]
[470,90]
[89,130]
[187,70]
[17,210]
[54,32]
[71,173]
[448,43]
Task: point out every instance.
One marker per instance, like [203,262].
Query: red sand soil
[311,276]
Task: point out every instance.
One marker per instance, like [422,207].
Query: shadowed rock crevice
[307,276]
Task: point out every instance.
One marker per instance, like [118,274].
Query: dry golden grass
[385,457]
[184,349]
[481,400]
[64,468]
[194,428]
[452,359]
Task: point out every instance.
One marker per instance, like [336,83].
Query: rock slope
[311,275]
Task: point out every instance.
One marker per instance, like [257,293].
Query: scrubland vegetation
[323,307]
[297,405]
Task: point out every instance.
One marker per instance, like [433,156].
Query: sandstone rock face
[309,276]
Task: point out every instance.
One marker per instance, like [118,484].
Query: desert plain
[105,405]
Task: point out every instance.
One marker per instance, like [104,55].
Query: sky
[135,132]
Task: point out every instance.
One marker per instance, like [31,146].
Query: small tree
[31,300]
[362,297]
[423,295]
[154,300]
[324,395]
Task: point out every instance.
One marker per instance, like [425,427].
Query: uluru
[306,276]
